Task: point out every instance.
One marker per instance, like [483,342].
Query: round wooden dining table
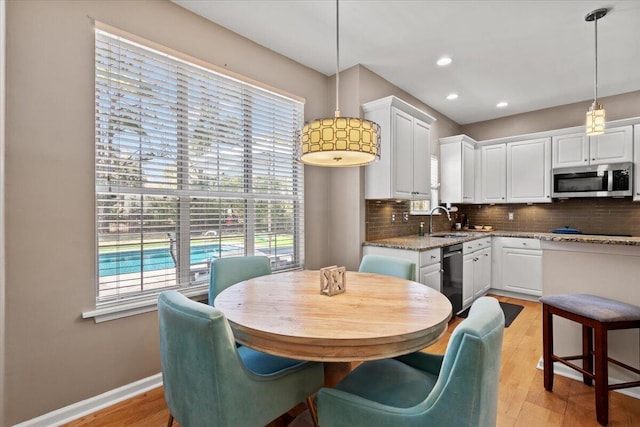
[285,314]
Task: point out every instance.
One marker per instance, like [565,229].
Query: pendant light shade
[339,141]
[596,114]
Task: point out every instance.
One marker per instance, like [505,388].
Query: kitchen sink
[450,235]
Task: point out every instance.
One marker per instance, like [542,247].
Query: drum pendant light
[596,114]
[339,141]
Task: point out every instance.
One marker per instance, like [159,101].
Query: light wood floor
[522,398]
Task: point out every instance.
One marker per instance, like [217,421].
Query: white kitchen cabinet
[468,265]
[428,270]
[482,273]
[517,265]
[476,269]
[432,276]
[529,171]
[636,162]
[577,149]
[457,169]
[570,150]
[404,168]
[494,173]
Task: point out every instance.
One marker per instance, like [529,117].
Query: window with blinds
[191,165]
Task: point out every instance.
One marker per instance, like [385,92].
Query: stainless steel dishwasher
[452,275]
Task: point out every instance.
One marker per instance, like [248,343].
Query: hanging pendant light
[339,141]
[596,114]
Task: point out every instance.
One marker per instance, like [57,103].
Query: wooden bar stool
[597,316]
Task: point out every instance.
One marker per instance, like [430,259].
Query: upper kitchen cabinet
[577,149]
[404,168]
[457,169]
[529,171]
[494,173]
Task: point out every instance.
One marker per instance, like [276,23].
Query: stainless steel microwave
[612,180]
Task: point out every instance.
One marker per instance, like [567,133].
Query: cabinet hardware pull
[433,257]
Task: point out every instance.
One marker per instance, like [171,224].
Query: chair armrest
[427,362]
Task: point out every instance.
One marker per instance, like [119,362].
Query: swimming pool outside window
[191,165]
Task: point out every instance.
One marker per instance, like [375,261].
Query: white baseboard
[565,371]
[511,294]
[93,404]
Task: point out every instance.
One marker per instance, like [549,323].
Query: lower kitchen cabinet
[427,271]
[517,265]
[476,269]
[432,276]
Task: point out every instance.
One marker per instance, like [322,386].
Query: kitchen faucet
[447,211]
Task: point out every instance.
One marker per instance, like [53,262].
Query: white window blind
[191,165]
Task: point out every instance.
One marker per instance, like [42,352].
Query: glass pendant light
[596,114]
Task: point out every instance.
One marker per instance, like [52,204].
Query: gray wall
[617,107]
[2,227]
[53,357]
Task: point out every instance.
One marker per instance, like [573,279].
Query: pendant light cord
[595,95]
[337,59]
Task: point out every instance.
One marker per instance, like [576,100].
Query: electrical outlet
[393,217]
[510,216]
[405,216]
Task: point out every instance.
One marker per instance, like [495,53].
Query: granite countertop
[424,243]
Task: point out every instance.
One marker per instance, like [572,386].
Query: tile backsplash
[593,216]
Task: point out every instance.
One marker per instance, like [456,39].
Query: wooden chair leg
[601,374]
[547,346]
[170,422]
[312,410]
[587,352]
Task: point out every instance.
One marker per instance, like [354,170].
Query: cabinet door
[570,150]
[432,276]
[403,145]
[494,173]
[468,173]
[468,266]
[529,171]
[482,273]
[421,164]
[636,160]
[615,145]
[522,270]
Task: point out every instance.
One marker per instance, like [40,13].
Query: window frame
[140,302]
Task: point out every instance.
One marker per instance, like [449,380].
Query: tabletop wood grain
[379,316]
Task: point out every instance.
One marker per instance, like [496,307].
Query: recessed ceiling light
[445,60]
[502,104]
[452,96]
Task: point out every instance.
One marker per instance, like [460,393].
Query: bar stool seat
[597,315]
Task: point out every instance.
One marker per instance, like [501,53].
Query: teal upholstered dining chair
[459,388]
[231,270]
[208,381]
[388,266]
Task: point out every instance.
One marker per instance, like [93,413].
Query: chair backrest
[467,386]
[388,266]
[229,271]
[199,360]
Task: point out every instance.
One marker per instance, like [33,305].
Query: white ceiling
[533,54]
